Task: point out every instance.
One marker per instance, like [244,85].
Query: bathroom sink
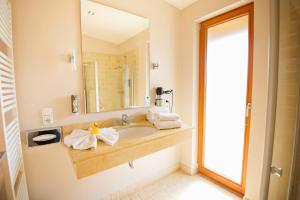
[136,132]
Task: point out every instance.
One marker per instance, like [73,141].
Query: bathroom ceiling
[180,4]
[109,24]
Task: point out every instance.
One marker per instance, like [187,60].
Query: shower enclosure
[92,92]
[109,81]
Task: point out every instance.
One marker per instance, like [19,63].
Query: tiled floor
[179,186]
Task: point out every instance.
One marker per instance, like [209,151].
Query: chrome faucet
[125,120]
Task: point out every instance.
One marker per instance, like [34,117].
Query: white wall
[52,177]
[190,19]
[44,33]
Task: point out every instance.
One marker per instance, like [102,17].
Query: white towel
[81,140]
[150,117]
[161,116]
[154,109]
[167,124]
[108,135]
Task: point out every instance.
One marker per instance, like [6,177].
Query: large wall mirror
[115,58]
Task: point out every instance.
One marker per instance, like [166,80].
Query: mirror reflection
[114,56]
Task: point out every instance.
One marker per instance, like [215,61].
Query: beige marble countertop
[91,161]
[102,148]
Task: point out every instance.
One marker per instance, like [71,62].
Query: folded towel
[80,139]
[154,109]
[150,117]
[108,135]
[161,116]
[167,124]
[90,142]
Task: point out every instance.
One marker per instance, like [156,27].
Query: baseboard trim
[188,170]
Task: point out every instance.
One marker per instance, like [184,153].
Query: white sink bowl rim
[136,132]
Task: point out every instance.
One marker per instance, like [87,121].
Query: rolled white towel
[108,135]
[167,124]
[161,116]
[81,140]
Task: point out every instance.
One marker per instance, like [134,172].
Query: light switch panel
[47,116]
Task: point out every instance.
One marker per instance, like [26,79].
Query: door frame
[272,97]
[233,14]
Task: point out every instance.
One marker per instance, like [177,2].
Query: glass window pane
[226,92]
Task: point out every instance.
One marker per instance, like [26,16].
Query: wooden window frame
[233,14]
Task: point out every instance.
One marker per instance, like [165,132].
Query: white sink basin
[136,132]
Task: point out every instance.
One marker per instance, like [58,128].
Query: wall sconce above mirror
[115,58]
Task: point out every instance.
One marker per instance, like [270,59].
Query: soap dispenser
[75,103]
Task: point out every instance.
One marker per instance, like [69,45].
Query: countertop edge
[185,127]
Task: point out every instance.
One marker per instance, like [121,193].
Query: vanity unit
[137,139]
[78,174]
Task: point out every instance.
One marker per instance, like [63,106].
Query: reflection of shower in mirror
[115,59]
[128,83]
[91,85]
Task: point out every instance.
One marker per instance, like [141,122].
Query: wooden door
[226,51]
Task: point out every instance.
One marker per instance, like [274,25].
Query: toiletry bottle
[147,101]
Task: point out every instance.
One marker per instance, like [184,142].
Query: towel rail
[8,106]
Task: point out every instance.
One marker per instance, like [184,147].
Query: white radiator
[5,23]
[8,107]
